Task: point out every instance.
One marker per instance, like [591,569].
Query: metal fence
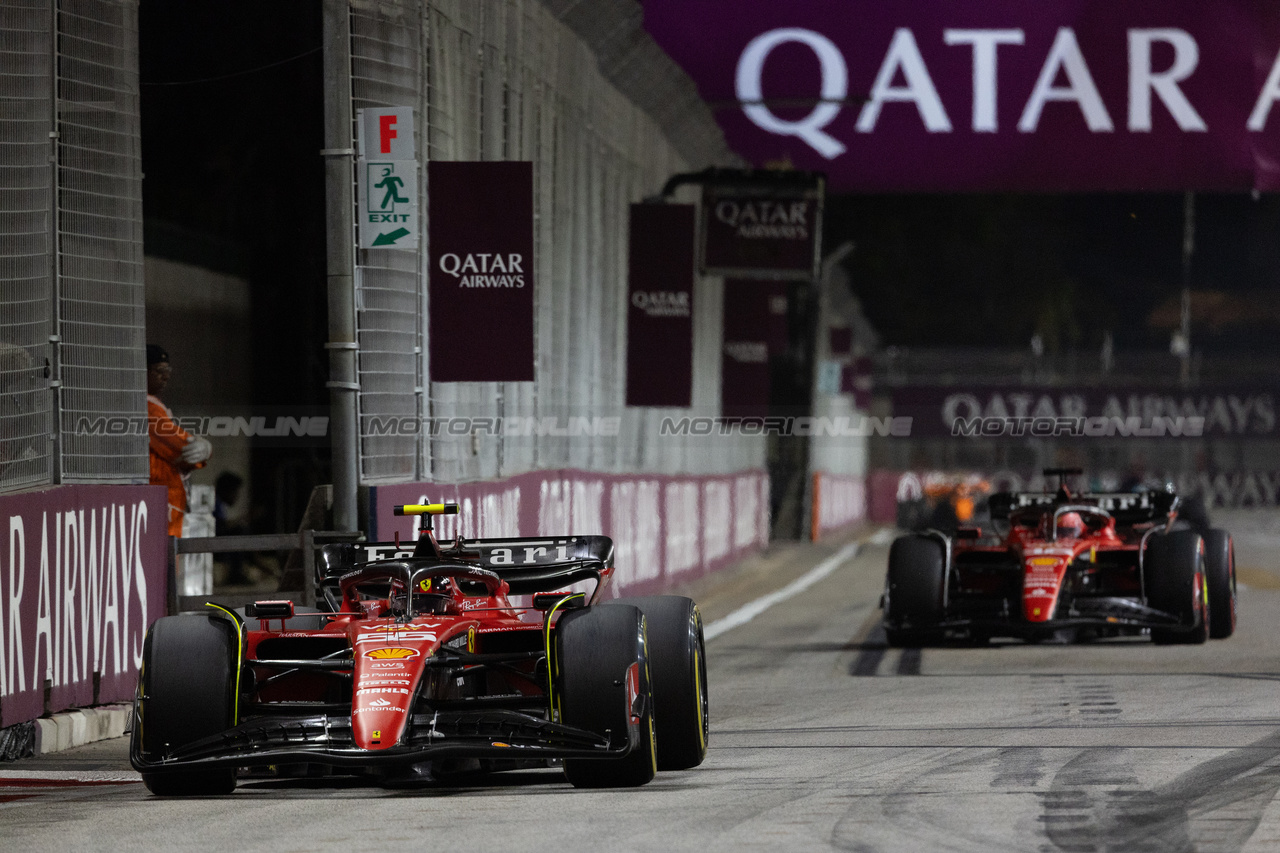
[529,80]
[72,327]
[26,208]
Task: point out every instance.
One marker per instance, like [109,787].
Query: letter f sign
[386,132]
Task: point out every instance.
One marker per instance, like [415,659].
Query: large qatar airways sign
[934,95]
[83,574]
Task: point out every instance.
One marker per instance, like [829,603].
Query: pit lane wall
[839,502]
[83,574]
[666,529]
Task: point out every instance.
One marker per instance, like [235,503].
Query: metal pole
[55,259]
[340,255]
[1188,249]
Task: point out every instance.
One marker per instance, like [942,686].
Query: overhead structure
[985,96]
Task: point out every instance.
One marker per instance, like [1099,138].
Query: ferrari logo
[377,733]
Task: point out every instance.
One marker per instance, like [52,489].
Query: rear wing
[542,564]
[1124,507]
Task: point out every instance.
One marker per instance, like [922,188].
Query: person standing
[175,453]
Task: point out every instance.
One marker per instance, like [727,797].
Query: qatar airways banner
[665,529]
[660,305]
[481,259]
[83,574]
[1025,412]
[750,231]
[935,96]
[749,330]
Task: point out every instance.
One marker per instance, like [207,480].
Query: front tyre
[605,687]
[186,685]
[677,660]
[1220,575]
[1174,566]
[913,590]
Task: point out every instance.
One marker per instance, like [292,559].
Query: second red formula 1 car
[1061,565]
[428,661]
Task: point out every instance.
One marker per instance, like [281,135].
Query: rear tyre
[1174,566]
[913,590]
[677,661]
[598,647]
[187,681]
[1220,575]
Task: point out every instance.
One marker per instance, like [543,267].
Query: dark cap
[156,354]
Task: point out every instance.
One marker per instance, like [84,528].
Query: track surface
[821,739]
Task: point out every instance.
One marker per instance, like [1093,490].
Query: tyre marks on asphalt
[909,663]
[1096,801]
[874,657]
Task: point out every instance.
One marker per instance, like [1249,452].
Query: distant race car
[425,661]
[1063,566]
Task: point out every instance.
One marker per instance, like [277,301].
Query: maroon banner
[747,232]
[744,359]
[83,574]
[991,95]
[779,326]
[666,530]
[1010,411]
[840,340]
[856,379]
[482,271]
[660,300]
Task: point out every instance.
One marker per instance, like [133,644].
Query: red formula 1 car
[426,661]
[1061,566]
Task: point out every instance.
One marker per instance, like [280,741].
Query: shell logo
[391,654]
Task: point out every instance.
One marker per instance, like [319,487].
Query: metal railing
[305,541]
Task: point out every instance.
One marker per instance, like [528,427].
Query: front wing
[997,619]
[327,740]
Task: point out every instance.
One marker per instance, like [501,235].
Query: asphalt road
[821,739]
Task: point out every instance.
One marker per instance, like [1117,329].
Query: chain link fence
[100,292]
[605,118]
[26,209]
[72,328]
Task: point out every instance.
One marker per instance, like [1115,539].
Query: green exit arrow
[388,239]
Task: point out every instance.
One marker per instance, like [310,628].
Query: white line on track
[12,776]
[751,610]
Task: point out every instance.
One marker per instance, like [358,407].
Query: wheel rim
[700,681]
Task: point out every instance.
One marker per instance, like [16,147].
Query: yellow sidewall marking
[235,719]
